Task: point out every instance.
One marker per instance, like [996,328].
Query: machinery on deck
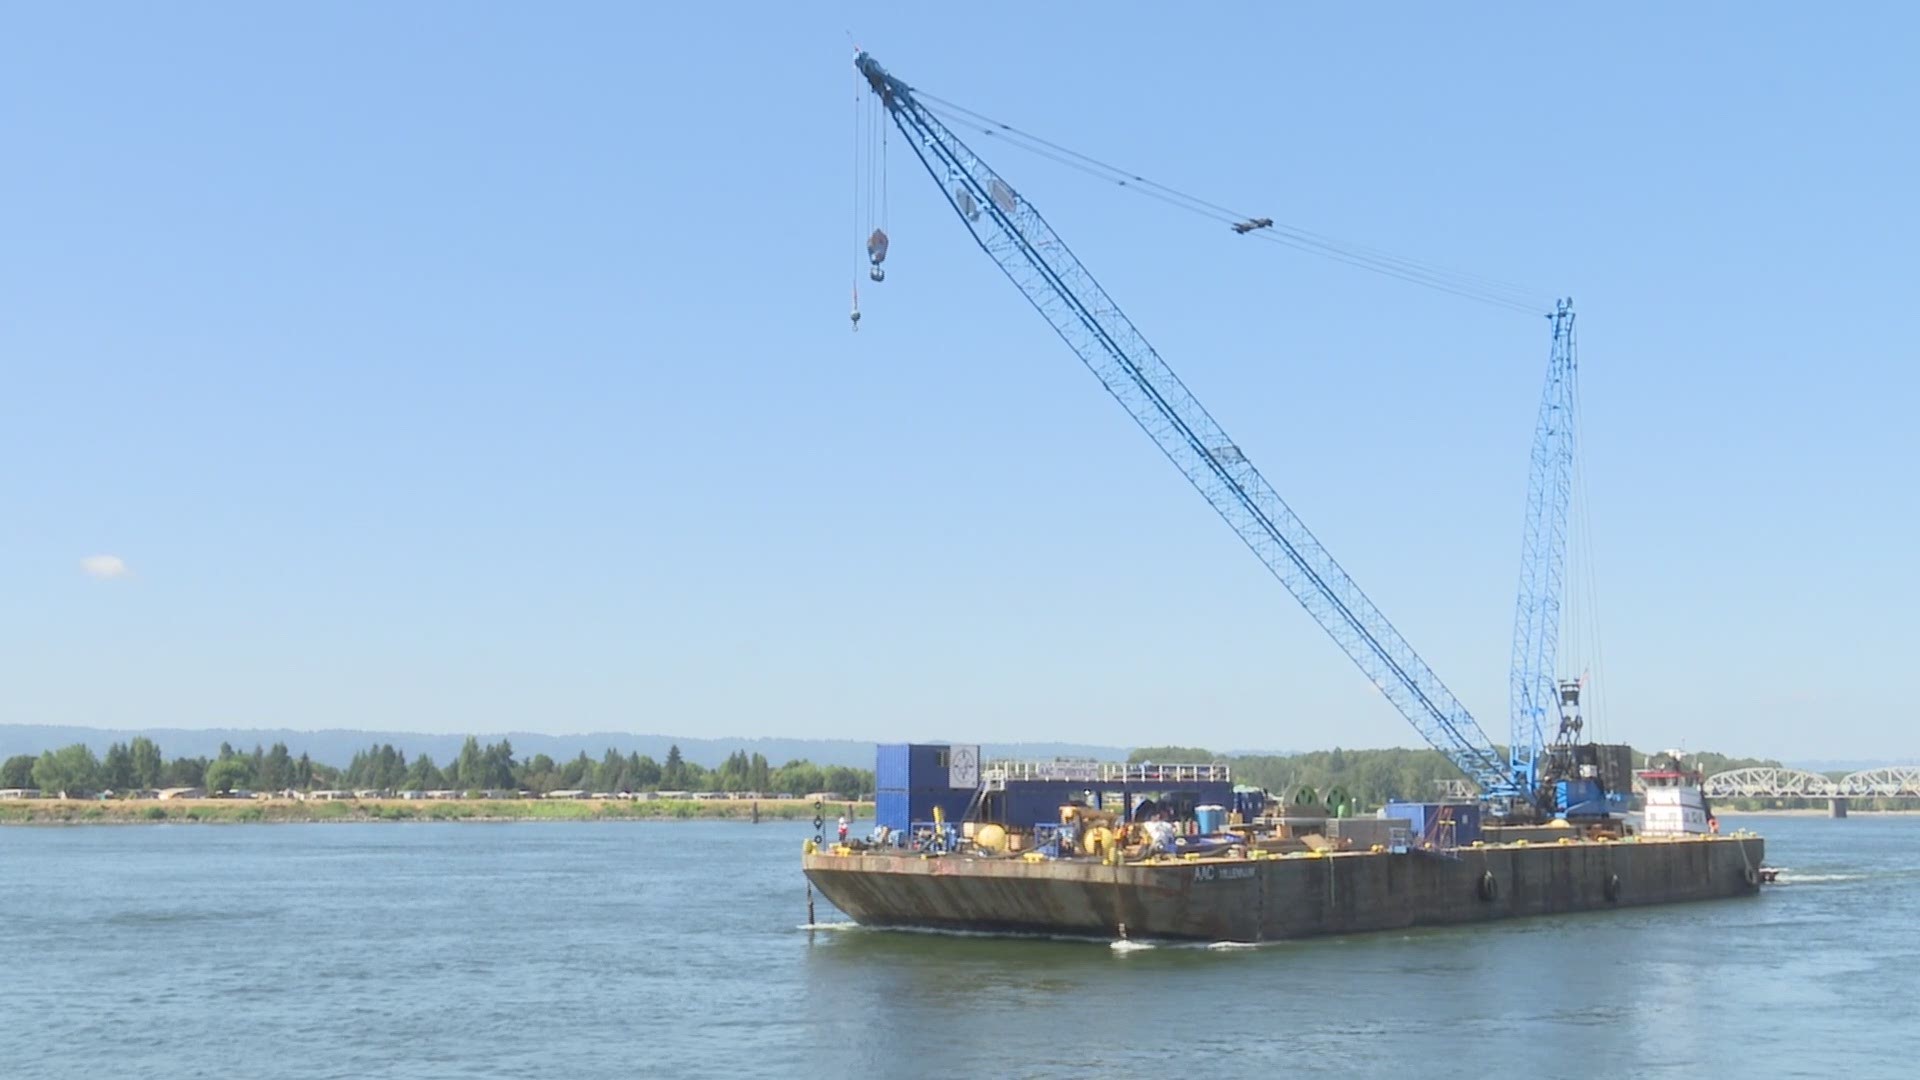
[1528,781]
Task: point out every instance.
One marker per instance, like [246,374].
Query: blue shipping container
[912,779]
[891,808]
[891,767]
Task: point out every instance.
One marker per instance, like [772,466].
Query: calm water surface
[627,949]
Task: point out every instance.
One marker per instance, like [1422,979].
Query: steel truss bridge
[1890,782]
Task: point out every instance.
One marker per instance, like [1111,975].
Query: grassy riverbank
[239,811]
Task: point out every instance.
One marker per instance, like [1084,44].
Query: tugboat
[1676,804]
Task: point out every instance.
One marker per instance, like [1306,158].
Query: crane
[1012,233]
[1533,692]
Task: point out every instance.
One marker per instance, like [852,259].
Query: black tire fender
[1613,888]
[1751,877]
[1489,886]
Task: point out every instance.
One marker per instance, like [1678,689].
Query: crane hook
[856,309]
[877,254]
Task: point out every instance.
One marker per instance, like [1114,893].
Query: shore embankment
[261,811]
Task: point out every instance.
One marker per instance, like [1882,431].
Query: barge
[1293,870]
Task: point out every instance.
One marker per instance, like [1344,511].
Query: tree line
[139,765]
[1375,777]
[1370,777]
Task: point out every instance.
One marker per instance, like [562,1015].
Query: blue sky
[447,367]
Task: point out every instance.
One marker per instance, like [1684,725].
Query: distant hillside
[336,746]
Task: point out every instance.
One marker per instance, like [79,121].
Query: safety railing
[997,774]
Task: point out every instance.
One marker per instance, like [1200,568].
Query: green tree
[850,782]
[1171,755]
[149,768]
[469,770]
[17,772]
[646,773]
[423,776]
[537,774]
[611,773]
[673,777]
[697,777]
[185,772]
[72,770]
[496,764]
[227,773]
[799,778]
[389,768]
[732,773]
[276,769]
[116,769]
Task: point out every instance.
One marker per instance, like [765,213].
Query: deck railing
[997,773]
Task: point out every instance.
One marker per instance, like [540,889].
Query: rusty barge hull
[1270,899]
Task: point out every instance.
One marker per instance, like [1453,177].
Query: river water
[650,949]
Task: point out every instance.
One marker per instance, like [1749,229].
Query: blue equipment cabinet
[1440,824]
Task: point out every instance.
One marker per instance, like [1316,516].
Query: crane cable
[1589,647]
[857,129]
[1493,289]
[858,114]
[1460,283]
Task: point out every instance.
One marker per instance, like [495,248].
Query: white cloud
[103,566]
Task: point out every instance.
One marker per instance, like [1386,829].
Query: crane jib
[1059,287]
[1532,686]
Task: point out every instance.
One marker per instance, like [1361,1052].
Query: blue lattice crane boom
[1533,690]
[1012,232]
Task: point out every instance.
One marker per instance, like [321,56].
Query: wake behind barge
[1288,876]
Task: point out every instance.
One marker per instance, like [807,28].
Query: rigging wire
[872,137]
[1127,178]
[857,103]
[1587,582]
[1459,283]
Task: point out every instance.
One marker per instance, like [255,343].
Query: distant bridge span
[1889,782]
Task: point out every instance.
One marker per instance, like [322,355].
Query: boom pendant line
[1038,262]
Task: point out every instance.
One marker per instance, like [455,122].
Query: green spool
[1339,803]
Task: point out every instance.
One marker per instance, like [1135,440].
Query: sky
[484,367]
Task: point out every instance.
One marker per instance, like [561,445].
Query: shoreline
[1813,811]
[297,812]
